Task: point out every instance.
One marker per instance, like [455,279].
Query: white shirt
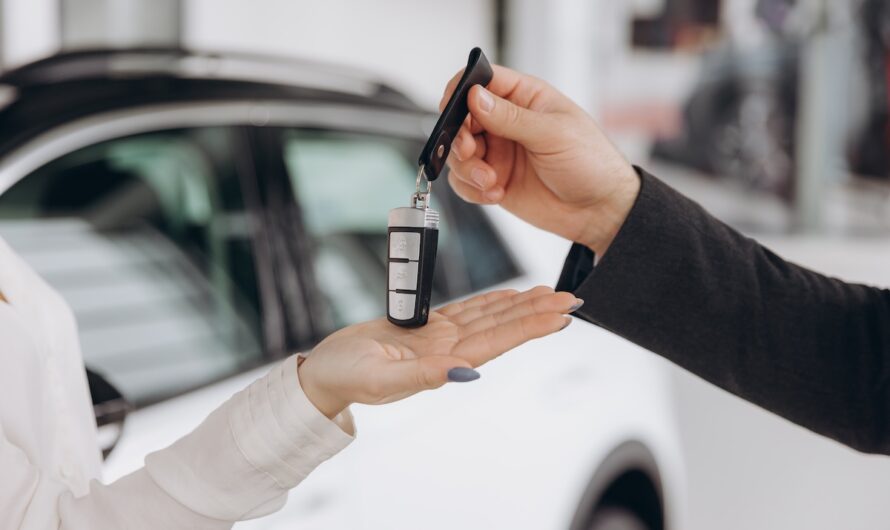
[239,463]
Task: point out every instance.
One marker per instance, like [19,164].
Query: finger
[548,303]
[471,313]
[516,86]
[399,379]
[505,82]
[464,145]
[481,146]
[475,127]
[478,300]
[501,152]
[473,194]
[466,192]
[523,90]
[484,346]
[504,118]
[475,172]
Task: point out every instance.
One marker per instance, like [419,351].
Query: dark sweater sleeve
[680,283]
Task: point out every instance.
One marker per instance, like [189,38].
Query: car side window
[147,239]
[345,184]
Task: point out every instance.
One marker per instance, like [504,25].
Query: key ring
[420,195]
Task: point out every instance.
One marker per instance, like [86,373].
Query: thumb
[504,118]
[410,376]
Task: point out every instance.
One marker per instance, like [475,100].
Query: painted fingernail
[479,176]
[568,321]
[486,102]
[462,375]
[577,306]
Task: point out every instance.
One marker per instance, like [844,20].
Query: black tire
[616,518]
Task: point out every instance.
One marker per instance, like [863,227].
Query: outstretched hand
[377,362]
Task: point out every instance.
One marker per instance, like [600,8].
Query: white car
[206,216]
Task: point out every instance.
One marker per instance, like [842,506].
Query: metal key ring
[420,195]
[422,177]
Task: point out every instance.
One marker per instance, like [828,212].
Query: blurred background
[774,114]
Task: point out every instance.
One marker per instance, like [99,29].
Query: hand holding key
[376,362]
[529,148]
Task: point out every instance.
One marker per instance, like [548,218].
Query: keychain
[413,231]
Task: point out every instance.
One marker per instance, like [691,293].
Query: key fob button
[401,306]
[403,276]
[404,245]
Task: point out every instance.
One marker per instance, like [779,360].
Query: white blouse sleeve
[239,463]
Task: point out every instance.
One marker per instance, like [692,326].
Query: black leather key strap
[435,152]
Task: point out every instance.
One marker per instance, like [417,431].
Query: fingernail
[462,375]
[492,195]
[486,102]
[455,148]
[577,306]
[479,177]
[568,321]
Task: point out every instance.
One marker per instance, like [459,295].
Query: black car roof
[71,85]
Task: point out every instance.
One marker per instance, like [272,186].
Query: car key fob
[413,231]
[413,239]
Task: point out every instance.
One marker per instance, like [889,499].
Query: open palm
[376,362]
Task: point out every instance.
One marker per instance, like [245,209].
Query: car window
[147,239]
[345,184]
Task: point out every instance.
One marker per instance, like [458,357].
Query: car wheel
[617,518]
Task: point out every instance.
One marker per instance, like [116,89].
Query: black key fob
[413,239]
[435,152]
[413,232]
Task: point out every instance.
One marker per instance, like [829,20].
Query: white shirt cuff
[285,435]
[250,451]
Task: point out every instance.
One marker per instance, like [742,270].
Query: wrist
[325,400]
[602,222]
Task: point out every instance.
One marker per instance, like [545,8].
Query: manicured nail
[568,321]
[479,177]
[462,375]
[577,306]
[486,102]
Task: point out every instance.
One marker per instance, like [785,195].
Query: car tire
[617,518]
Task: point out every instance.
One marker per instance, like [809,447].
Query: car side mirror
[111,409]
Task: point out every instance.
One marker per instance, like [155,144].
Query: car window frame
[289,245]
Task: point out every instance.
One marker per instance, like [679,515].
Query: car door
[149,239]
